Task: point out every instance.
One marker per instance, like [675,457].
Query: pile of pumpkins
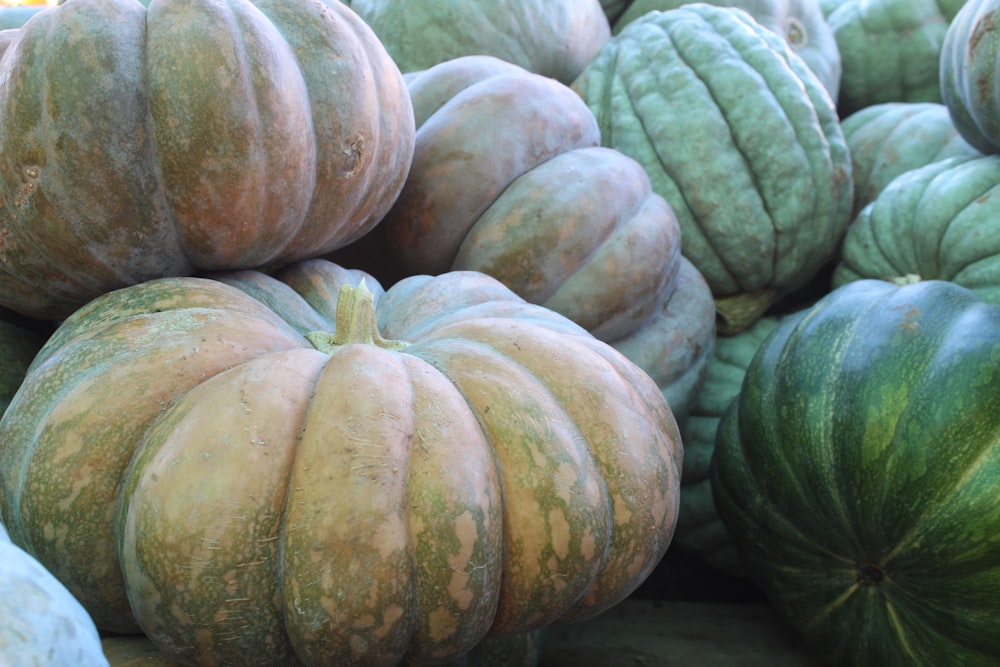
[375,333]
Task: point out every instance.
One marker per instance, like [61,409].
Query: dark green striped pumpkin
[859,475]
[280,479]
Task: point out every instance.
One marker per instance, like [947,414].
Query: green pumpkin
[140,142]
[968,59]
[739,136]
[890,50]
[800,22]
[554,38]
[941,221]
[891,138]
[858,469]
[43,624]
[699,529]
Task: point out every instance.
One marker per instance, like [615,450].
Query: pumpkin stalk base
[738,312]
[355,322]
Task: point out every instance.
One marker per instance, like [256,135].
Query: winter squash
[700,531]
[349,475]
[888,139]
[940,221]
[967,74]
[554,38]
[857,474]
[191,135]
[43,624]
[800,22]
[741,139]
[890,50]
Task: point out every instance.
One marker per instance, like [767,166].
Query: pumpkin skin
[967,74]
[891,138]
[699,529]
[938,222]
[800,22]
[465,478]
[857,473]
[554,38]
[217,136]
[692,95]
[43,623]
[890,50]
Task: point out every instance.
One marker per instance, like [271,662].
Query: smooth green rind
[736,133]
[935,222]
[874,418]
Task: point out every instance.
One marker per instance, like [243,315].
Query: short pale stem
[355,322]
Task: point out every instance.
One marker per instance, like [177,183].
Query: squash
[741,139]
[43,624]
[191,135]
[937,222]
[890,50]
[857,475]
[700,531]
[258,468]
[554,38]
[800,22]
[891,138]
[968,73]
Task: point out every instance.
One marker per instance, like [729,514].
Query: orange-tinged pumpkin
[140,142]
[277,478]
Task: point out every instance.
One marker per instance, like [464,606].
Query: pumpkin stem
[355,322]
[738,312]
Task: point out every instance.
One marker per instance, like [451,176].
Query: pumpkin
[554,38]
[191,135]
[258,468]
[891,138]
[614,8]
[741,139]
[857,474]
[43,624]
[940,221]
[967,74]
[890,50]
[700,531]
[800,22]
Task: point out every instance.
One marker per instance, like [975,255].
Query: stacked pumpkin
[376,353]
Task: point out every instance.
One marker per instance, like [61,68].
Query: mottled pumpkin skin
[193,465]
[968,72]
[189,135]
[891,138]
[554,38]
[940,221]
[857,474]
[800,22]
[739,136]
[890,50]
[43,624]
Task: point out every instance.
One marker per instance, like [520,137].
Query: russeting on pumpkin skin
[190,135]
[304,468]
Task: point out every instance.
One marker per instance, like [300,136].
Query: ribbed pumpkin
[941,221]
[968,74]
[800,22]
[858,473]
[739,136]
[279,478]
[890,50]
[191,135]
[43,624]
[699,529]
[891,138]
[554,38]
